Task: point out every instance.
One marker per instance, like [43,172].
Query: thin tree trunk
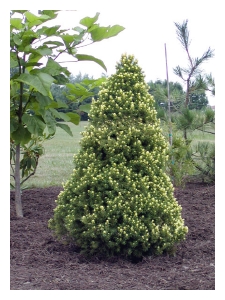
[186,106]
[187,93]
[18,202]
[185,135]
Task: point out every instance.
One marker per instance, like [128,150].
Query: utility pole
[168,92]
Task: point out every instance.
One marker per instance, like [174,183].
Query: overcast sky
[149,25]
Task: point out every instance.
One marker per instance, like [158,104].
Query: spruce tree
[119,200]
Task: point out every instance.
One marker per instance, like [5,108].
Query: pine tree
[119,199]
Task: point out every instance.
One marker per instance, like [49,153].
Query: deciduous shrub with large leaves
[119,199]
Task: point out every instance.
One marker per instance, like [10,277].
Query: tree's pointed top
[128,63]
[129,57]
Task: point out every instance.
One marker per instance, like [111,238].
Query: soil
[40,262]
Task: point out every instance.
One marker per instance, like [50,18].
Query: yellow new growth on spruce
[119,200]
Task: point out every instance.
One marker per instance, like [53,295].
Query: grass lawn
[56,165]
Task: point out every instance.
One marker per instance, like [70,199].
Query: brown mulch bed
[40,262]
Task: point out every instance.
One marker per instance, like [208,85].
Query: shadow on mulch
[40,262]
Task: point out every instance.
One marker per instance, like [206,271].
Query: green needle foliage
[119,200]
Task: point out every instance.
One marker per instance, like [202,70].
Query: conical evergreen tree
[119,199]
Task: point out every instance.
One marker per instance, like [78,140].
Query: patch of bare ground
[40,262]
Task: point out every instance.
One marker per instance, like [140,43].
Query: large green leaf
[17,39]
[16,23]
[41,82]
[43,50]
[34,20]
[67,38]
[13,63]
[65,127]
[35,107]
[50,122]
[64,116]
[78,90]
[77,40]
[70,85]
[14,90]
[78,29]
[30,34]
[43,101]
[59,115]
[21,135]
[34,82]
[74,118]
[34,124]
[27,49]
[58,104]
[102,33]
[94,26]
[99,33]
[85,107]
[49,31]
[55,113]
[30,17]
[54,68]
[114,30]
[61,79]
[93,83]
[85,57]
[88,22]
[13,124]
[28,37]
[13,60]
[72,98]
[33,58]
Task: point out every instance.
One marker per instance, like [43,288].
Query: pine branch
[206,56]
[199,128]
[178,72]
[183,34]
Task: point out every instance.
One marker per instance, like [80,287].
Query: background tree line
[158,89]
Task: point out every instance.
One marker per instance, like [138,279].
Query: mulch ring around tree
[40,262]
